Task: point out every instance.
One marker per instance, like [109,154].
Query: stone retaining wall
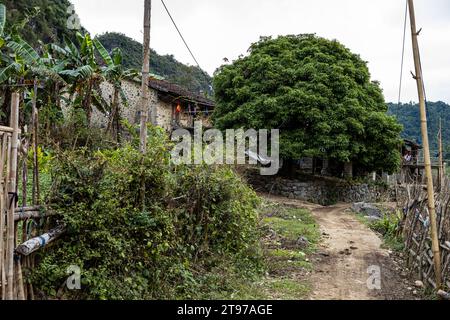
[323,192]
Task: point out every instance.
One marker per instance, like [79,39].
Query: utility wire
[179,32]
[403,55]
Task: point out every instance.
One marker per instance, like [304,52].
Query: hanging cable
[204,74]
[403,55]
[179,32]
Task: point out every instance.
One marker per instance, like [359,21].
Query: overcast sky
[216,29]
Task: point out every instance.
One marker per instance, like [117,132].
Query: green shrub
[191,220]
[389,227]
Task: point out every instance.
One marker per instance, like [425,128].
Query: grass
[387,227]
[286,261]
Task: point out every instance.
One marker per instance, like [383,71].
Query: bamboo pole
[441,158]
[12,192]
[26,215]
[37,243]
[145,77]
[6,186]
[35,120]
[426,147]
[4,148]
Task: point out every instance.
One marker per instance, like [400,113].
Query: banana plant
[18,58]
[115,74]
[82,73]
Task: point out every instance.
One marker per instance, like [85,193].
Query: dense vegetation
[318,93]
[409,116]
[161,243]
[190,77]
[49,22]
[163,250]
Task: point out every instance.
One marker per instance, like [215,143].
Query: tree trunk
[114,121]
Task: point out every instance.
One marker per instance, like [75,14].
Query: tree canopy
[318,93]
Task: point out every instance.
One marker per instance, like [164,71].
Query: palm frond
[47,73]
[104,53]
[6,72]
[22,49]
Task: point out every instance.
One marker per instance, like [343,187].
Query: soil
[348,250]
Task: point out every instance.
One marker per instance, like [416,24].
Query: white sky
[216,29]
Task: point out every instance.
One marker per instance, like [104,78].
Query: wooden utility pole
[145,77]
[426,148]
[441,158]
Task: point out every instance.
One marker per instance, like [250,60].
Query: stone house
[176,107]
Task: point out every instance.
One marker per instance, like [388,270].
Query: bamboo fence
[18,239]
[416,231]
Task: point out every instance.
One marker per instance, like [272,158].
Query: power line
[403,55]
[179,32]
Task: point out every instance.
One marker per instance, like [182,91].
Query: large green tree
[318,93]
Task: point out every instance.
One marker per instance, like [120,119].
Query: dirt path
[348,249]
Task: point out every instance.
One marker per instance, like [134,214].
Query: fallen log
[37,243]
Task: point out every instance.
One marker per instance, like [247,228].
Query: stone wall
[324,192]
[131,111]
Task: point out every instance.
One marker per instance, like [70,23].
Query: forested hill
[190,77]
[409,116]
[50,25]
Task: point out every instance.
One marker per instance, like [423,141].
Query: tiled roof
[175,90]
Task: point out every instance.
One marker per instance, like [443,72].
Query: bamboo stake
[6,186]
[426,148]
[12,192]
[35,120]
[4,148]
[145,77]
[441,157]
[19,277]
[23,288]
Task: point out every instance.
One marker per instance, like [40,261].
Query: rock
[404,275]
[419,284]
[303,242]
[415,292]
[367,209]
[372,219]
[410,289]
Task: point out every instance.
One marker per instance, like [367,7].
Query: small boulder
[367,209]
[419,284]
